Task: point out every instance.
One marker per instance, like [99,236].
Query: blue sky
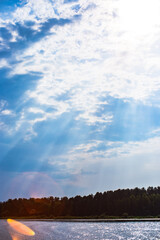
[79,96]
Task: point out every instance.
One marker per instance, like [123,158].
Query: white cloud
[35,110]
[33,10]
[6,112]
[86,147]
[84,155]
[15,36]
[3,108]
[115,165]
[91,119]
[93,50]
[43,9]
[3,63]
[90,59]
[155,131]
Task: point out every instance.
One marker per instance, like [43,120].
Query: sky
[79,96]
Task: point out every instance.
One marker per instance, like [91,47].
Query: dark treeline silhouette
[121,203]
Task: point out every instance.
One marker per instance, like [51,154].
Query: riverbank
[93,220]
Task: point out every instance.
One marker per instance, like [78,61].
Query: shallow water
[84,231]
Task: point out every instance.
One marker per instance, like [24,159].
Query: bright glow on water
[86,231]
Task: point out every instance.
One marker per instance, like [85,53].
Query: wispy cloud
[98,164]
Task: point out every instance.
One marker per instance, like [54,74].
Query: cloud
[88,167]
[6,112]
[17,36]
[3,108]
[85,60]
[3,63]
[80,57]
[106,154]
[102,165]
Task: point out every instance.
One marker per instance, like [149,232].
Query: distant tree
[134,202]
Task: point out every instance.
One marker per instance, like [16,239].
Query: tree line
[120,203]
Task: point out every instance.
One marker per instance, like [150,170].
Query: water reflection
[50,230]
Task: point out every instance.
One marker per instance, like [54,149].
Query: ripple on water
[86,231]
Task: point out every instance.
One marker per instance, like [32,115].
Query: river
[45,230]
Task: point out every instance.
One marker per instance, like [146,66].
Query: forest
[121,203]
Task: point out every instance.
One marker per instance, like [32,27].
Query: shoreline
[93,220]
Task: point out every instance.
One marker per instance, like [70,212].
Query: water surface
[84,231]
